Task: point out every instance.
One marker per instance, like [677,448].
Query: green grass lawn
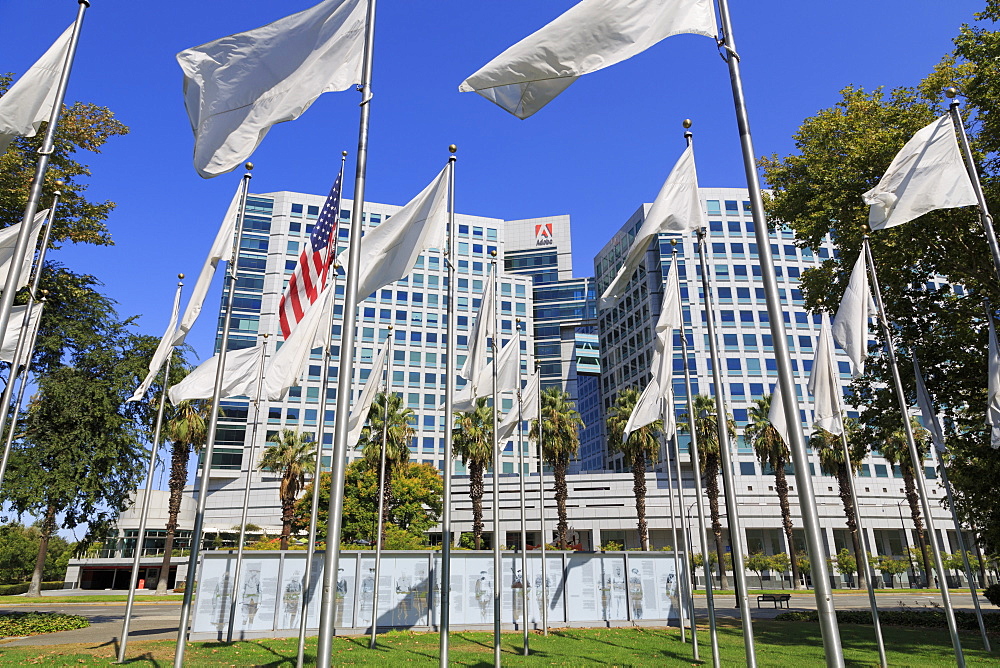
[96,598]
[795,644]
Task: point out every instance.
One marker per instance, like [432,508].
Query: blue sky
[595,153]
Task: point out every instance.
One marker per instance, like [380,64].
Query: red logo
[543,234]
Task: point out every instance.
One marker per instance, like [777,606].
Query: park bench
[777,599]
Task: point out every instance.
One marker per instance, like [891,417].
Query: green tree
[698,562]
[18,547]
[707,432]
[772,451]
[830,451]
[293,455]
[896,451]
[472,441]
[560,443]
[640,449]
[399,432]
[782,563]
[891,567]
[844,562]
[758,562]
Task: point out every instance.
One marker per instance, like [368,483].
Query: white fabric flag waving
[927,174]
[239,379]
[647,410]
[590,36]
[776,415]
[482,332]
[237,87]
[11,336]
[163,350]
[359,413]
[993,405]
[29,101]
[508,378]
[677,208]
[850,325]
[285,367]
[390,251]
[824,385]
[931,422]
[8,244]
[528,411]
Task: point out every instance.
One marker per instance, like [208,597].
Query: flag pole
[917,462]
[685,581]
[331,558]
[144,513]
[22,341]
[543,589]
[829,629]
[970,166]
[958,527]
[35,194]
[673,523]
[521,493]
[381,488]
[449,407]
[324,385]
[729,484]
[206,466]
[246,495]
[696,474]
[497,579]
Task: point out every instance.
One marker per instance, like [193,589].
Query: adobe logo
[543,234]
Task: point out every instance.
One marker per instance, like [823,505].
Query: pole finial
[180,277]
[390,328]
[452,148]
[950,92]
[343,153]
[686,123]
[493,253]
[249,166]
[673,243]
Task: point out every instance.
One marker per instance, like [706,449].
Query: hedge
[14,590]
[928,619]
[34,623]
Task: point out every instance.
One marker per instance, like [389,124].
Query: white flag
[776,415]
[359,412]
[993,406]
[850,325]
[13,333]
[482,332]
[162,352]
[237,87]
[592,35]
[29,101]
[239,379]
[677,208]
[221,251]
[927,174]
[528,410]
[824,385]
[647,410]
[508,378]
[285,367]
[8,244]
[931,422]
[671,316]
[390,251]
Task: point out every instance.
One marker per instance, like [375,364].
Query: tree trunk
[48,528]
[178,478]
[781,486]
[914,501]
[639,489]
[559,473]
[476,492]
[852,523]
[712,489]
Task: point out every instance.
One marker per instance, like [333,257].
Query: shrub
[612,546]
[14,590]
[34,623]
[929,619]
[992,594]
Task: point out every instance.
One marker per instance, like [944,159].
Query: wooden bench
[777,599]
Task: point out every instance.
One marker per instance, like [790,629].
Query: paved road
[158,621]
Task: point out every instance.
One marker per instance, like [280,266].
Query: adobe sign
[543,234]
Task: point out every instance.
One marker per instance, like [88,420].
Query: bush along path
[925,619]
[19,624]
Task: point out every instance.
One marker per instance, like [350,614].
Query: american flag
[309,277]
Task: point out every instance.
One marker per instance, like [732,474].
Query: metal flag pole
[307,590]
[918,468]
[35,194]
[732,508]
[970,166]
[521,494]
[213,422]
[246,494]
[673,523]
[496,476]
[331,559]
[685,583]
[381,489]
[958,526]
[22,340]
[696,475]
[144,513]
[449,408]
[544,588]
[829,630]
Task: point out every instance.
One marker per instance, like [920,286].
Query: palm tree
[830,451]
[399,431]
[772,451]
[187,430]
[473,442]
[293,455]
[641,448]
[560,443]
[896,451]
[707,431]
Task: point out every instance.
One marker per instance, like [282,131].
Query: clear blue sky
[598,151]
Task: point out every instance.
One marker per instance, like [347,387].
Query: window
[747,468]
